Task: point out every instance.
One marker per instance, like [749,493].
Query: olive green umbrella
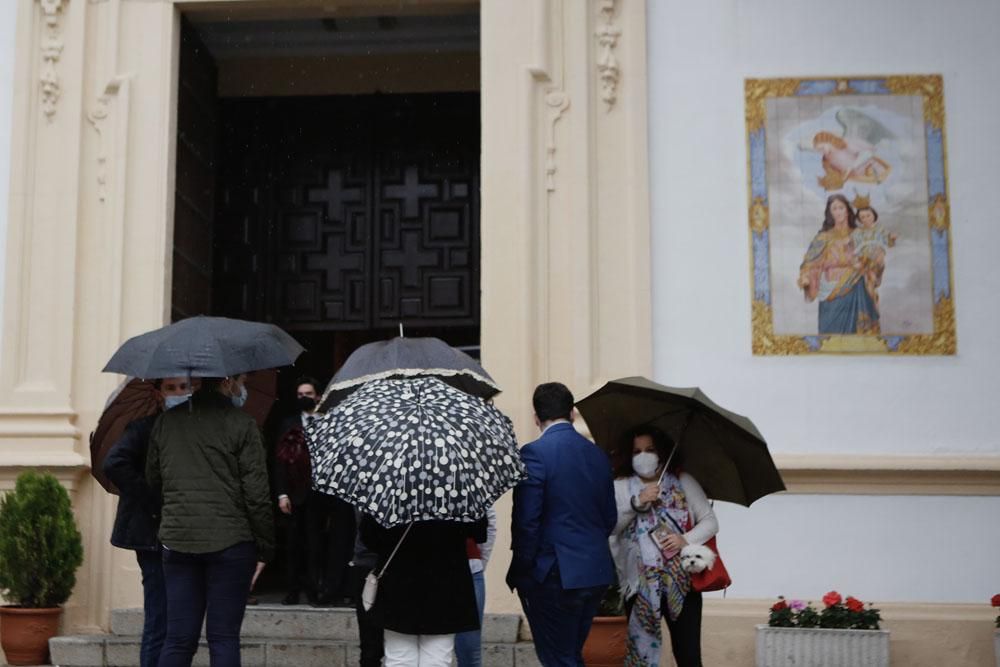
[724,451]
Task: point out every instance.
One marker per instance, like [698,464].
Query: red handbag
[715,578]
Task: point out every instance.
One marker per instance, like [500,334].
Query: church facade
[609,205]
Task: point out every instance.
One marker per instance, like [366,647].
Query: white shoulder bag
[370,590]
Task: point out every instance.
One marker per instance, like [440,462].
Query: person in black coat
[426,594]
[138,518]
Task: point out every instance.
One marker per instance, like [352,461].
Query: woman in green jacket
[207,460]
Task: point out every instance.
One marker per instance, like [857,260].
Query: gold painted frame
[940,341]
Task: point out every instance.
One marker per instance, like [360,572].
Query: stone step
[303,622]
[119,651]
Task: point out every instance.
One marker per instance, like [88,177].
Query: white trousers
[418,650]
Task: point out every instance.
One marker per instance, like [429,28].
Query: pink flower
[797,605]
[832,598]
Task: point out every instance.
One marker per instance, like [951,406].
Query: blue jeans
[560,619]
[469,645]
[154,607]
[216,582]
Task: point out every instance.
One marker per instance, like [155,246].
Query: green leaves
[611,603]
[837,614]
[40,546]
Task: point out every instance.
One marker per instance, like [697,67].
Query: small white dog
[697,558]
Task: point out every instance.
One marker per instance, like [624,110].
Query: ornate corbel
[608,70]
[52,46]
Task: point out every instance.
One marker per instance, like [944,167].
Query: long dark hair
[852,217]
[663,443]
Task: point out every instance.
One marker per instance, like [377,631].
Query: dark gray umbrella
[408,357]
[724,451]
[205,347]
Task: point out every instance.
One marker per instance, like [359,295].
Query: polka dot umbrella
[415,449]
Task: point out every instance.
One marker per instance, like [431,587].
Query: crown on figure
[861,201]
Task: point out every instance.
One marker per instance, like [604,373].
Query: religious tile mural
[849,220]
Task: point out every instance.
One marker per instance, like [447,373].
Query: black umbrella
[205,347]
[415,449]
[408,357]
[724,451]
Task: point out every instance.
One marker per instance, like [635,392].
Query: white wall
[699,55]
[8,21]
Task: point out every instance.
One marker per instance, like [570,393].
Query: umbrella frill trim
[407,372]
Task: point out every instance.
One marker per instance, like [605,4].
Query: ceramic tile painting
[848,211]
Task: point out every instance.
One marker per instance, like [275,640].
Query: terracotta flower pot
[605,645]
[25,633]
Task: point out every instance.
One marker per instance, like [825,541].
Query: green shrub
[612,603]
[40,546]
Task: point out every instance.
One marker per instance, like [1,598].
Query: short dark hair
[307,379]
[869,208]
[552,400]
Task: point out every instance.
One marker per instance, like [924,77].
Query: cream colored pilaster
[565,218]
[37,417]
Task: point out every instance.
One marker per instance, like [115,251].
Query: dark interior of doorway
[336,217]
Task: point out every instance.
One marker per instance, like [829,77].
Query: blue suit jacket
[563,512]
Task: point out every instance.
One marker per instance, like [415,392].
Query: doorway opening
[328,181]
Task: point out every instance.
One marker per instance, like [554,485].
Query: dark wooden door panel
[351,213]
[194,194]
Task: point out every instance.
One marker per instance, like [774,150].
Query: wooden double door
[348,213]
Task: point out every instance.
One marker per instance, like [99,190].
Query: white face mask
[173,401]
[645,464]
[240,399]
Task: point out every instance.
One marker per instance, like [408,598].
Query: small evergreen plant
[40,546]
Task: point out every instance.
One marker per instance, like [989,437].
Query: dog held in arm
[697,558]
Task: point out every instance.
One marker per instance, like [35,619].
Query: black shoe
[291,598]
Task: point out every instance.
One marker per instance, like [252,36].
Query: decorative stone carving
[52,46]
[557,102]
[608,70]
[97,117]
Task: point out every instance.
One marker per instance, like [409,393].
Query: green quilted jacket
[207,461]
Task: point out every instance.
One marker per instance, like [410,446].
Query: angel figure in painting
[851,156]
[833,273]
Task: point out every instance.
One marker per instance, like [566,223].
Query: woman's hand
[650,493]
[674,542]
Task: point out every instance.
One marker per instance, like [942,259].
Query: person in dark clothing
[564,511]
[208,463]
[369,633]
[426,594]
[138,516]
[292,483]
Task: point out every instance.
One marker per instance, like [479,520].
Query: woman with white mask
[660,510]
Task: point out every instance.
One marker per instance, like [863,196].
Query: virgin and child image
[849,240]
[844,265]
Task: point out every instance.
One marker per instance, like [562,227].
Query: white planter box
[816,647]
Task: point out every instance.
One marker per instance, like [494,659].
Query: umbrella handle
[677,443]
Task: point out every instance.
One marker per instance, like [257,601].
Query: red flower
[779,605]
[995,600]
[854,604]
[832,598]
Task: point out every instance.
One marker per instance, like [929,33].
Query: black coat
[138,516]
[427,588]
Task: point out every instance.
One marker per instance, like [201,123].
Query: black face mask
[306,404]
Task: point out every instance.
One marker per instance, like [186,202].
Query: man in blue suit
[563,514]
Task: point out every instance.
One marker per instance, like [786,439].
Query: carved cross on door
[411,191]
[409,259]
[335,195]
